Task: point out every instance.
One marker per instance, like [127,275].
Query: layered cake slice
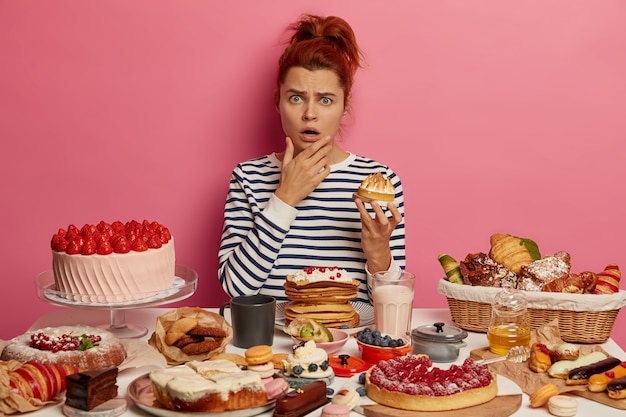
[87,390]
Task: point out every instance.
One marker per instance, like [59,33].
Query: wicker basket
[583,318]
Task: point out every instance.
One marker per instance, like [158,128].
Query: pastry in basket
[451,268]
[376,187]
[512,251]
[582,283]
[608,280]
[480,269]
[411,382]
[534,275]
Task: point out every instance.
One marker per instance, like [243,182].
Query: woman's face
[311,106]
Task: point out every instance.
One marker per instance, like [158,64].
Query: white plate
[140,391]
[365,310]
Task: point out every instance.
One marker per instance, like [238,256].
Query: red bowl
[374,354]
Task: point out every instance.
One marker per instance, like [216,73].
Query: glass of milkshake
[393,293]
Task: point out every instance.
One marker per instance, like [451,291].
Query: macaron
[562,406]
[264,370]
[346,396]
[259,354]
[275,387]
[335,410]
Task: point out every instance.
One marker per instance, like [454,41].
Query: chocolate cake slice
[87,390]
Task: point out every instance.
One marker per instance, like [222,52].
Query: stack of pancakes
[326,301]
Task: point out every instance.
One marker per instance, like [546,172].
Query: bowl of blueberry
[376,346]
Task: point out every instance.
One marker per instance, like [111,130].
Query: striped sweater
[264,239]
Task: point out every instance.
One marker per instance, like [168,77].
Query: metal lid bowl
[440,342]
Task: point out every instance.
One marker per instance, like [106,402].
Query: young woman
[290,210]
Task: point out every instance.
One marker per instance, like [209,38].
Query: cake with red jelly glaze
[113,262]
[411,383]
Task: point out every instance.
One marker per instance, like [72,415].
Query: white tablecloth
[282,343]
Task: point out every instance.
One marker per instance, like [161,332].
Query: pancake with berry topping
[412,383]
[84,347]
[323,294]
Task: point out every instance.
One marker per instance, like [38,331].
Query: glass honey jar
[509,324]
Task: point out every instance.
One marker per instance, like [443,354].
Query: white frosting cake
[207,387]
[307,361]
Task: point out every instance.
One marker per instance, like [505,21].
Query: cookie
[199,348]
[207,331]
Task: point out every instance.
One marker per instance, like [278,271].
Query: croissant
[608,280]
[39,381]
[573,283]
[451,268]
[512,251]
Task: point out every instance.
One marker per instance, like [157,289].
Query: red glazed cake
[113,262]
[411,383]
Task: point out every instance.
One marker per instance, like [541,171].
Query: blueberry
[330,392]
[361,391]
[297,369]
[312,367]
[362,378]
[324,365]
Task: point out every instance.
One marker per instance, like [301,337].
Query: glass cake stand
[185,284]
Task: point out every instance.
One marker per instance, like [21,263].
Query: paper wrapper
[530,381]
[172,354]
[10,402]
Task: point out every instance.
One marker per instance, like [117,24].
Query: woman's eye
[326,101]
[296,99]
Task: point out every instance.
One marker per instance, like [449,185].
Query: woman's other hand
[376,232]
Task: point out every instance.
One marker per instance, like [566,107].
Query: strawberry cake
[114,262]
[411,383]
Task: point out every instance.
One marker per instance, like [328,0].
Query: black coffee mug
[252,318]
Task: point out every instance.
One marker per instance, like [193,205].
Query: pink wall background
[500,116]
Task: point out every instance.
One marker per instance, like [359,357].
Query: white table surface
[146,317]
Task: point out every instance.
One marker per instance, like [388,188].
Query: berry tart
[411,383]
[113,262]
